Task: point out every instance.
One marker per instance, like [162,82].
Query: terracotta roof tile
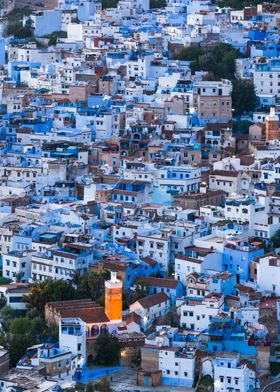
[153,300]
[224,173]
[157,282]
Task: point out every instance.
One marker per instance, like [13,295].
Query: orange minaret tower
[113,298]
[272,126]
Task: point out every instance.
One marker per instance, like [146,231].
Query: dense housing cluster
[139,195]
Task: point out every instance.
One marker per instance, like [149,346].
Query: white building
[151,307]
[266,77]
[17,265]
[177,366]
[196,314]
[13,293]
[227,180]
[155,244]
[231,374]
[180,179]
[59,264]
[248,314]
[268,274]
[206,260]
[138,66]
[72,335]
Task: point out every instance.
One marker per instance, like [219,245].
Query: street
[272,387]
[125,381]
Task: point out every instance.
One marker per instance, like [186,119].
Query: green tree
[206,384]
[244,97]
[14,25]
[240,4]
[33,313]
[275,240]
[108,350]
[21,326]
[109,4]
[79,387]
[89,387]
[53,37]
[18,31]
[241,127]
[3,301]
[49,291]
[75,277]
[134,295]
[7,314]
[103,385]
[219,60]
[157,4]
[191,53]
[17,346]
[4,280]
[91,285]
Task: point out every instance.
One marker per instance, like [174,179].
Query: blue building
[237,258]
[2,52]
[128,269]
[129,191]
[223,283]
[225,335]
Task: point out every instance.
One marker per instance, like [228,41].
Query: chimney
[203,187]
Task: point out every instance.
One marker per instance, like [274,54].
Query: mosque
[98,319]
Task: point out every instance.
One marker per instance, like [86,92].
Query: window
[15,299]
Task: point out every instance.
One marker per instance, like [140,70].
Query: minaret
[272,126]
[113,297]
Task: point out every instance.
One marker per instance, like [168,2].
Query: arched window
[103,329]
[94,330]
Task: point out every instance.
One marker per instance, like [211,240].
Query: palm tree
[75,277]
[19,276]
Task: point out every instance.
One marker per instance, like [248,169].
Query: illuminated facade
[113,298]
[272,126]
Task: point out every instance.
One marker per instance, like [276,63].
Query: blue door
[147,380]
